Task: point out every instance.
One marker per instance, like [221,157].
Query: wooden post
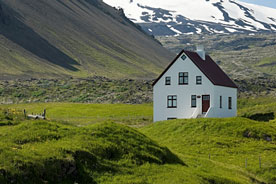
[245,162]
[44,113]
[24,113]
[260,162]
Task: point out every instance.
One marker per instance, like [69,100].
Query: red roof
[210,69]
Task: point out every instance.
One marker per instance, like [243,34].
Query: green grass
[178,151]
[135,115]
[251,106]
[44,151]
[267,61]
[268,65]
[83,114]
[228,141]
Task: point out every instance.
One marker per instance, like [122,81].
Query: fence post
[44,113]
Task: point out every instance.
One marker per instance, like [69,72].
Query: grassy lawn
[83,114]
[128,114]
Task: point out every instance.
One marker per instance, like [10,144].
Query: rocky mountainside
[241,56]
[79,38]
[176,17]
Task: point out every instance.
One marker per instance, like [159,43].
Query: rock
[268,138]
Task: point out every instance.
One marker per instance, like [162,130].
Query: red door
[205,103]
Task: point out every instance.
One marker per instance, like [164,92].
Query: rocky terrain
[242,56]
[88,90]
[104,90]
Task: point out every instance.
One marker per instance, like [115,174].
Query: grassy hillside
[267,65]
[48,152]
[229,142]
[80,143]
[76,38]
[251,107]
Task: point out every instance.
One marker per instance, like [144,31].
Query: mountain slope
[77,38]
[198,16]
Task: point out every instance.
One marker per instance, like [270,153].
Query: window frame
[168,80]
[183,57]
[230,103]
[198,80]
[173,100]
[181,78]
[193,99]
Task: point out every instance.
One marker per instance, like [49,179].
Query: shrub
[261,116]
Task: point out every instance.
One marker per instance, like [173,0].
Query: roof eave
[168,67]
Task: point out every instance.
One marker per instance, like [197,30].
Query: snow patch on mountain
[197,16]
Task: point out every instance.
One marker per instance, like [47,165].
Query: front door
[205,103]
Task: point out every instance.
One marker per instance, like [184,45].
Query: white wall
[225,92]
[184,92]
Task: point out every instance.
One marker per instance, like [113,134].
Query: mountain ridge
[74,38]
[198,17]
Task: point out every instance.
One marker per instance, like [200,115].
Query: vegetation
[229,143]
[62,150]
[89,90]
[83,114]
[45,151]
[90,44]
[242,56]
[104,90]
[267,64]
[252,106]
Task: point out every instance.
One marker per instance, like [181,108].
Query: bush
[261,116]
[38,93]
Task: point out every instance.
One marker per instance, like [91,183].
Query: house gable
[208,67]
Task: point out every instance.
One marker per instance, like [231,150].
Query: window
[168,81]
[229,102]
[183,78]
[198,80]
[220,101]
[171,101]
[206,97]
[193,101]
[183,57]
[171,118]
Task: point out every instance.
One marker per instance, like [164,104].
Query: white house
[193,86]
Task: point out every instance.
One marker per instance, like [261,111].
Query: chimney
[200,51]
